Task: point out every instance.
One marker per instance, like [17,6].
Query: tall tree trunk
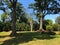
[41,22]
[14,2]
[13,23]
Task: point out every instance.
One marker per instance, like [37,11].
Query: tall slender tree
[30,21]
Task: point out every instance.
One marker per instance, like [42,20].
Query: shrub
[5,26]
[49,28]
[56,27]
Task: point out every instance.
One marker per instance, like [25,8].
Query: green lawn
[29,38]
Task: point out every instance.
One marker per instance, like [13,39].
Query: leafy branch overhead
[46,6]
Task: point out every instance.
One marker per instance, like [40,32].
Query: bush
[5,26]
[56,27]
[49,28]
[51,33]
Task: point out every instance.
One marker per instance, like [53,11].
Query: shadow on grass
[26,37]
[4,36]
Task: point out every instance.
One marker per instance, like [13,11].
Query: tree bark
[41,22]
[13,17]
[13,23]
[31,25]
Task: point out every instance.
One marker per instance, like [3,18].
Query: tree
[58,20]
[30,21]
[13,3]
[55,27]
[49,28]
[14,9]
[44,7]
[47,22]
[57,23]
[17,11]
[23,24]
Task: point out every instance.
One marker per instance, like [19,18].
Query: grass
[29,38]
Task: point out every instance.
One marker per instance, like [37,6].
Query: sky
[26,4]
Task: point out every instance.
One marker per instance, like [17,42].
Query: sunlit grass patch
[5,33]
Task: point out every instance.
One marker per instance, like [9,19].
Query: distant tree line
[24,25]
